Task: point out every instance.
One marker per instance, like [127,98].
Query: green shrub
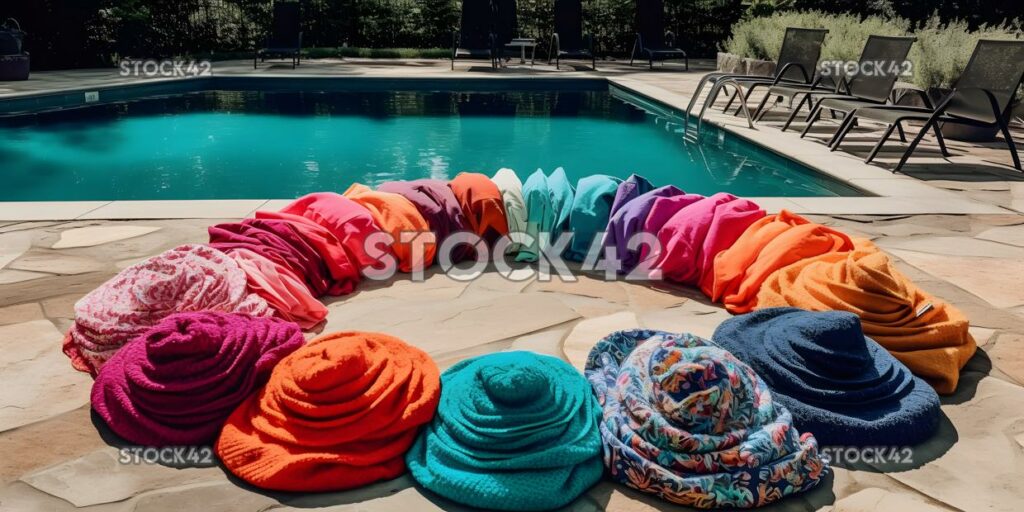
[761,38]
[942,50]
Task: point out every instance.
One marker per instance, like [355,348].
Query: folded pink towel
[347,220]
[178,382]
[186,278]
[283,290]
[696,233]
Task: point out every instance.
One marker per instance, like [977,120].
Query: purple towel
[628,221]
[628,190]
[178,382]
[437,204]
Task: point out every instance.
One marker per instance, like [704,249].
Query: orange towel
[927,335]
[396,214]
[481,204]
[769,244]
[338,413]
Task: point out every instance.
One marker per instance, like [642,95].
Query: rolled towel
[344,274]
[931,337]
[626,222]
[561,201]
[514,431]
[179,381]
[347,220]
[540,216]
[395,215]
[511,189]
[186,278]
[690,423]
[630,188]
[693,236]
[278,241]
[769,244]
[662,210]
[837,383]
[283,290]
[591,208]
[437,204]
[336,414]
[482,204]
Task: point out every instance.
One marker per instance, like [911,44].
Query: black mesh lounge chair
[652,41]
[568,40]
[506,25]
[476,38]
[983,96]
[797,65]
[285,39]
[882,58]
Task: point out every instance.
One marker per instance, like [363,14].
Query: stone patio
[58,457]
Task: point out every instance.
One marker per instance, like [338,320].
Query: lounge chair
[14,60]
[506,26]
[982,96]
[568,40]
[652,41]
[285,39]
[797,65]
[476,38]
[864,88]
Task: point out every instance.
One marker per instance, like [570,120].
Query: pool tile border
[894,194]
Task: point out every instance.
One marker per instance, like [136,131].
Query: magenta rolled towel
[278,241]
[178,382]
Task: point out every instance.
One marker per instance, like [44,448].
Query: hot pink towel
[177,383]
[186,278]
[347,220]
[343,273]
[696,233]
[278,241]
[662,210]
[283,290]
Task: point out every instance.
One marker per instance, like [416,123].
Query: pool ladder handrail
[720,82]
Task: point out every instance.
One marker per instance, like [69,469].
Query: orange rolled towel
[769,244]
[481,204]
[338,413]
[396,214]
[929,336]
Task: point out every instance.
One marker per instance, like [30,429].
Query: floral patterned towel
[690,423]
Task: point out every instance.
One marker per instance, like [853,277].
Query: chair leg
[686,63]
[881,142]
[941,140]
[814,117]
[913,144]
[759,112]
[632,53]
[796,110]
[732,98]
[902,134]
[841,133]
[849,123]
[1009,142]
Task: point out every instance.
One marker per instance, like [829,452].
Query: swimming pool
[252,144]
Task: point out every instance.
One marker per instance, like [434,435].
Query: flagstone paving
[57,456]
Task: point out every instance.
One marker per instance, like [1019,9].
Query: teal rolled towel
[513,431]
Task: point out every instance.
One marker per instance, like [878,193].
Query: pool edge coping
[894,194]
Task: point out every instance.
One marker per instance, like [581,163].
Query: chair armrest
[555,46]
[455,42]
[781,73]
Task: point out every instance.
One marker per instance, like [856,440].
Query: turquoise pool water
[250,145]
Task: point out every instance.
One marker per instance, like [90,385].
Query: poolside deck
[56,457]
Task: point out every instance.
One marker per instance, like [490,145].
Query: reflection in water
[230,144]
